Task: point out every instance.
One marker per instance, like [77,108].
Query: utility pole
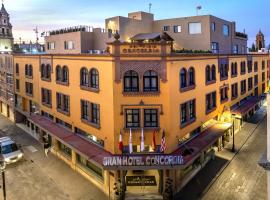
[197,9]
[150,6]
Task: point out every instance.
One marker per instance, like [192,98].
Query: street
[40,177]
[234,176]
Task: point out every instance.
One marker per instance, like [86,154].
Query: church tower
[6,38]
[260,41]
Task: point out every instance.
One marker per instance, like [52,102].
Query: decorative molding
[141,104]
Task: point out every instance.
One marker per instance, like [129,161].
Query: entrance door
[8,114]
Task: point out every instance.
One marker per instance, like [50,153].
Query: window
[51,45]
[213,26]
[256,80]
[94,79]
[29,71]
[249,65]
[226,30]
[64,149]
[166,28]
[224,94]
[243,67]
[223,71]
[68,45]
[234,88]
[62,102]
[84,77]
[47,115]
[195,28]
[150,81]
[95,113]
[131,81]
[46,71]
[208,73]
[243,87]
[29,88]
[177,29]
[215,47]
[183,78]
[150,118]
[90,112]
[210,102]
[17,68]
[263,76]
[132,118]
[213,70]
[263,65]
[88,136]
[235,49]
[255,66]
[233,69]
[17,84]
[58,73]
[250,83]
[63,123]
[65,76]
[187,112]
[46,96]
[191,76]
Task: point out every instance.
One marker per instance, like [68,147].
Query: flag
[120,145]
[163,143]
[130,142]
[154,141]
[142,141]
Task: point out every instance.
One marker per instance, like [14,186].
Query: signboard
[143,160]
[140,49]
[141,181]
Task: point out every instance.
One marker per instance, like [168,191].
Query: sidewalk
[201,183]
[41,177]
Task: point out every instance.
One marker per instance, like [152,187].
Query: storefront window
[64,149]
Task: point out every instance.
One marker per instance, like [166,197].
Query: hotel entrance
[143,184]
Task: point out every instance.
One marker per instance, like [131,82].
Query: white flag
[142,141]
[130,142]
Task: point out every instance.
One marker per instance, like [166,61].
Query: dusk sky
[52,14]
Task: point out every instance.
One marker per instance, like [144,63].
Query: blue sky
[250,15]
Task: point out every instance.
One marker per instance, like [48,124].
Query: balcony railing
[241,35]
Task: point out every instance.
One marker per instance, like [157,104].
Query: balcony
[241,35]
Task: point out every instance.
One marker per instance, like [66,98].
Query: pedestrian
[46,146]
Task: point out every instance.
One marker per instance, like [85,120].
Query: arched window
[208,73]
[235,68]
[131,81]
[150,81]
[43,71]
[213,70]
[48,71]
[191,76]
[94,79]
[26,70]
[58,73]
[84,77]
[183,78]
[65,77]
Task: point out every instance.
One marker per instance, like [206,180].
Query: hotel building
[83,102]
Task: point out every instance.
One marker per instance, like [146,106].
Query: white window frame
[177,28]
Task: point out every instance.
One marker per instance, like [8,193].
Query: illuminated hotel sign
[140,48]
[154,160]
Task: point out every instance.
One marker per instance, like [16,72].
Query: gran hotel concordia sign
[140,49]
[140,161]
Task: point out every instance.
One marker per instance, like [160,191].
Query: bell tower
[260,43]
[6,37]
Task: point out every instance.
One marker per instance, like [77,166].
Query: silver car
[9,150]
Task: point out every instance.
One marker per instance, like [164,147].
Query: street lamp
[2,168]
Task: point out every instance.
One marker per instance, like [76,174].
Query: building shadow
[200,183]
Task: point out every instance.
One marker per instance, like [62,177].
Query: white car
[9,150]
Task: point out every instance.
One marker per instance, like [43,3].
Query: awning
[151,36]
[89,150]
[193,148]
[247,106]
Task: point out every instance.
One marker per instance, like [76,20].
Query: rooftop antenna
[199,7]
[150,6]
[36,32]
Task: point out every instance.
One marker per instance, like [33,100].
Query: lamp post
[2,168]
[233,146]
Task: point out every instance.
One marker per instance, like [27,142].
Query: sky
[25,15]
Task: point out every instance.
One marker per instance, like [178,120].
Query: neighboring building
[192,33]
[260,42]
[6,38]
[82,103]
[207,33]
[6,86]
[28,48]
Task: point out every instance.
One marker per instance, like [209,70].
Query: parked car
[9,150]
